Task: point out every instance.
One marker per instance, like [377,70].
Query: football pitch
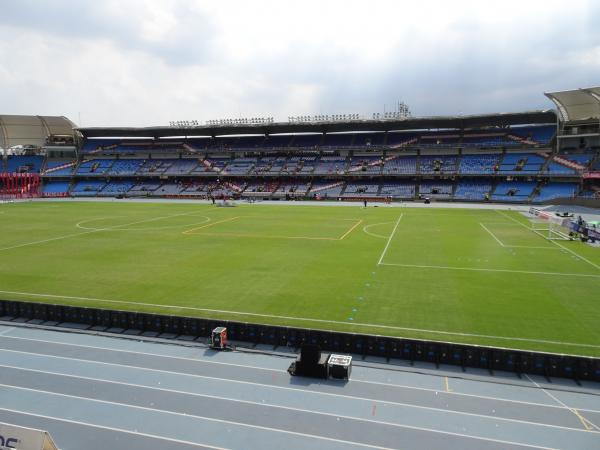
[477,276]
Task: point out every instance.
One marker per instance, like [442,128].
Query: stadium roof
[415,123]
[577,104]
[32,130]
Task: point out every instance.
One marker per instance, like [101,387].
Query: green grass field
[460,275]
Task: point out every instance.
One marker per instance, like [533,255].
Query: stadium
[296,274]
[448,231]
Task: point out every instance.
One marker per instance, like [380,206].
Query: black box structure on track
[490,358]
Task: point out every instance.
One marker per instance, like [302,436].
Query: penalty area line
[492,234]
[191,230]
[482,269]
[302,319]
[389,239]
[552,241]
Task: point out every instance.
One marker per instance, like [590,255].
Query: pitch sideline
[303,319]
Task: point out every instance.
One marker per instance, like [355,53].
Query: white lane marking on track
[289,408]
[366,227]
[212,419]
[586,423]
[390,239]
[303,319]
[2,333]
[120,430]
[482,269]
[245,366]
[89,232]
[552,241]
[209,419]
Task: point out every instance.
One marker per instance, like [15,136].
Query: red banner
[20,185]
[591,175]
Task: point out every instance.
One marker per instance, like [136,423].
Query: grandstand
[515,158]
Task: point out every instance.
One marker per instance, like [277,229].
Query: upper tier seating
[326,189]
[400,165]
[398,189]
[521,163]
[66,167]
[357,189]
[168,189]
[437,164]
[540,134]
[125,167]
[181,166]
[365,164]
[551,191]
[514,191]
[330,165]
[56,187]
[144,188]
[115,188]
[24,164]
[155,166]
[472,190]
[292,188]
[95,167]
[436,189]
[87,188]
[239,166]
[583,159]
[479,164]
[554,168]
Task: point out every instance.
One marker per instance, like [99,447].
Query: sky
[149,62]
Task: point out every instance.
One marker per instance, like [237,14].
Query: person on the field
[365,202]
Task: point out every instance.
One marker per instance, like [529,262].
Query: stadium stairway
[371,164]
[210,166]
[522,140]
[328,186]
[568,163]
[547,161]
[191,149]
[61,167]
[405,143]
[234,187]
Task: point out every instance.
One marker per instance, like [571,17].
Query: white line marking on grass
[366,227]
[492,234]
[586,423]
[80,225]
[481,269]
[225,421]
[351,229]
[119,430]
[276,406]
[546,247]
[553,242]
[191,230]
[90,232]
[265,236]
[389,239]
[303,319]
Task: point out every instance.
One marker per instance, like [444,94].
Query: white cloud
[146,62]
